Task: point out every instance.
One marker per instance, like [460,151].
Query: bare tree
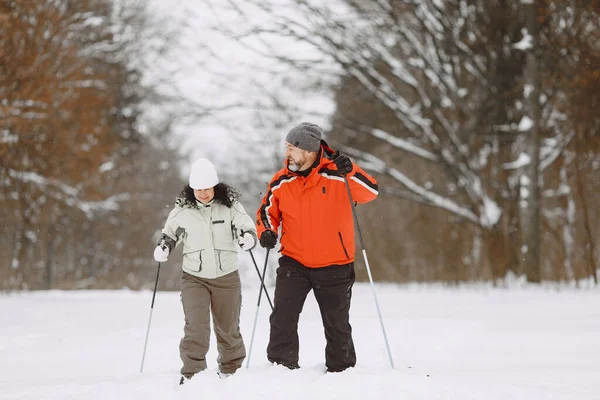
[461,90]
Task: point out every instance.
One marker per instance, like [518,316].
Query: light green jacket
[208,234]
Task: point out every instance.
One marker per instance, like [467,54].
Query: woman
[208,220]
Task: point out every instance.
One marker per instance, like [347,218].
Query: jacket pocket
[343,246]
[226,260]
[223,235]
[193,260]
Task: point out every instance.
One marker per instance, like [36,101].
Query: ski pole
[257,307]
[261,277]
[150,319]
[262,280]
[364,253]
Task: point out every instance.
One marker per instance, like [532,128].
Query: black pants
[332,287]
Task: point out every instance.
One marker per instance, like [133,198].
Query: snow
[526,42]
[522,161]
[527,90]
[404,144]
[375,164]
[525,124]
[107,166]
[472,342]
[69,194]
[491,212]
[7,138]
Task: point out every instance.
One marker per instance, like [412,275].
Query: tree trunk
[496,252]
[568,236]
[589,246]
[531,259]
[49,261]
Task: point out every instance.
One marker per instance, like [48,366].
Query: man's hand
[343,163]
[268,239]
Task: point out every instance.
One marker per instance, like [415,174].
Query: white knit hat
[203,174]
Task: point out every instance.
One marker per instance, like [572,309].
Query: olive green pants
[223,297]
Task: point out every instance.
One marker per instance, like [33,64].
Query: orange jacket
[317,226]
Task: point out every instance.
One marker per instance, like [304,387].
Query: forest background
[478,118]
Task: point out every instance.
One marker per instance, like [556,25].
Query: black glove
[343,163]
[268,239]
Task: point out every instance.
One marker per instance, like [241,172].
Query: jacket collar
[323,158]
[201,205]
[186,203]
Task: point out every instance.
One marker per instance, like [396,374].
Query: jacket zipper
[343,247]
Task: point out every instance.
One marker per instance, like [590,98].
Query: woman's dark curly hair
[224,194]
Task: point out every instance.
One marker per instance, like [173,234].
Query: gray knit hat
[306,136]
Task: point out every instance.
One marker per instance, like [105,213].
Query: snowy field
[468,343]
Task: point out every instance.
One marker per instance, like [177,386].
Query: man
[309,201]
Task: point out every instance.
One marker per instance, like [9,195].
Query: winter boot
[224,375]
[290,365]
[184,379]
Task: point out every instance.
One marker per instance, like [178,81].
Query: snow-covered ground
[467,343]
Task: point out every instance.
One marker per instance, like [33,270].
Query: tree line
[480,118]
[81,183]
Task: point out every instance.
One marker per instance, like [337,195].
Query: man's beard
[294,166]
